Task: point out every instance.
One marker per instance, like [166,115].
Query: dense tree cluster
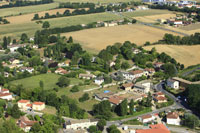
[4,21]
[19,3]
[177,40]
[76,5]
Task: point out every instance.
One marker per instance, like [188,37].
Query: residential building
[143,86]
[137,73]
[112,63]
[5,94]
[80,124]
[22,104]
[158,64]
[61,71]
[86,76]
[173,118]
[160,99]
[14,61]
[146,118]
[25,124]
[28,69]
[103,96]
[136,51]
[128,76]
[38,106]
[115,100]
[173,84]
[153,1]
[14,48]
[128,86]
[158,128]
[157,94]
[150,71]
[99,80]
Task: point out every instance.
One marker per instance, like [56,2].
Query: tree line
[4,21]
[20,3]
[177,40]
[73,13]
[76,5]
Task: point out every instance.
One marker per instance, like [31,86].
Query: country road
[149,24]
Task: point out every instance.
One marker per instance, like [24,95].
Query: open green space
[133,122]
[49,80]
[15,30]
[27,9]
[149,12]
[95,1]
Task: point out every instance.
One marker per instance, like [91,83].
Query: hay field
[154,18]
[95,1]
[29,27]
[187,55]
[191,27]
[27,9]
[96,39]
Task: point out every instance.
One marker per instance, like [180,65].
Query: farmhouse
[146,118]
[158,64]
[14,48]
[127,75]
[149,71]
[25,124]
[14,61]
[99,80]
[86,76]
[173,118]
[138,73]
[160,99]
[173,84]
[38,106]
[61,71]
[136,51]
[127,86]
[80,124]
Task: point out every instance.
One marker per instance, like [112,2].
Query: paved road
[149,24]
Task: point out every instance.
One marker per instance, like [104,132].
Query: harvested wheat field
[98,38]
[29,17]
[187,55]
[154,18]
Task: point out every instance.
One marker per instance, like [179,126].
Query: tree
[134,21]
[64,110]
[24,37]
[5,42]
[36,17]
[46,25]
[169,69]
[75,88]
[92,129]
[36,128]
[101,124]
[70,40]
[9,126]
[15,112]
[85,97]
[131,107]
[41,84]
[191,121]
[113,129]
[125,65]
[123,108]
[63,81]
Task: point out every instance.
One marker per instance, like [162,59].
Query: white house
[25,124]
[99,80]
[143,86]
[14,48]
[146,118]
[80,124]
[173,118]
[128,76]
[173,84]
[86,76]
[22,104]
[5,94]
[38,106]
[28,69]
[138,73]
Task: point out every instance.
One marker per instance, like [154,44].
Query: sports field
[96,39]
[187,55]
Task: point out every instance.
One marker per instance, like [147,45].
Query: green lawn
[133,122]
[27,9]
[15,30]
[96,1]
[49,80]
[146,13]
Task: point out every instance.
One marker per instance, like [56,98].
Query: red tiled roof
[115,99]
[23,101]
[137,72]
[29,105]
[172,115]
[160,98]
[38,103]
[158,128]
[4,90]
[5,94]
[146,116]
[159,93]
[25,122]
[128,85]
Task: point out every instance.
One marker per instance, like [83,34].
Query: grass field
[49,80]
[149,12]
[191,27]
[96,39]
[187,55]
[95,1]
[27,9]
[29,27]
